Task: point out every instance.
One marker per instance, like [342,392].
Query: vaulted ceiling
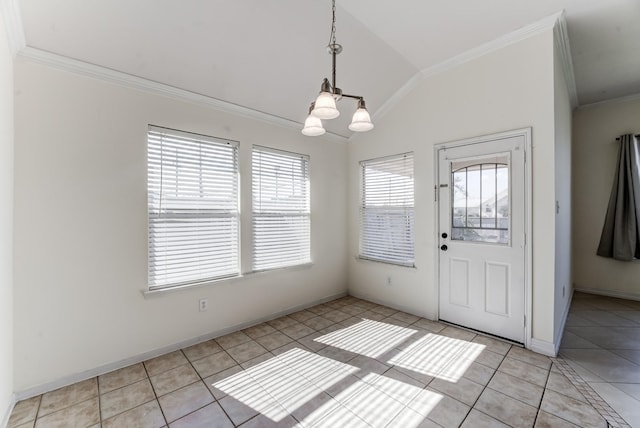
[270,56]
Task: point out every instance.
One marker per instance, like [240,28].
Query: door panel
[459,288]
[482,241]
[496,286]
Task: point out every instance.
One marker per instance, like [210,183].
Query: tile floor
[346,363]
[601,342]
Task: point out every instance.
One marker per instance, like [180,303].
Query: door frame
[528,215]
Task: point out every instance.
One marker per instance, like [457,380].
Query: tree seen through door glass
[480,200]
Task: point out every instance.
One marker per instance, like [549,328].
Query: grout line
[144,366]
[198,409]
[100,394]
[38,416]
[485,387]
[35,418]
[544,391]
[38,411]
[99,400]
[608,413]
[67,408]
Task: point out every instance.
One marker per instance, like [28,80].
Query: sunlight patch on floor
[375,400]
[369,338]
[439,356]
[284,383]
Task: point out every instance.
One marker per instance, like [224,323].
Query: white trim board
[559,333]
[516,36]
[10,10]
[626,98]
[543,347]
[561,40]
[394,99]
[609,293]
[4,422]
[548,23]
[106,368]
[423,314]
[134,82]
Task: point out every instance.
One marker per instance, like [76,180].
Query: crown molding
[516,36]
[545,24]
[626,98]
[134,82]
[561,40]
[394,99]
[10,11]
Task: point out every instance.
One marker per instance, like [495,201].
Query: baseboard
[106,368]
[423,314]
[7,415]
[609,293]
[543,347]
[563,322]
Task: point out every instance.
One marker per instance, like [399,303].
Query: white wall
[562,121]
[6,223]
[595,154]
[80,226]
[507,89]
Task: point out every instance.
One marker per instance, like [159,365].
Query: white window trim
[306,214]
[362,208]
[156,211]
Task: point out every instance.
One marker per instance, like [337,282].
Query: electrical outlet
[389,283]
[203,304]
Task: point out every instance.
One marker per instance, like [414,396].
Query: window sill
[364,259]
[148,294]
[263,271]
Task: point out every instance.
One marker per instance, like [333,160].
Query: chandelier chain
[332,37]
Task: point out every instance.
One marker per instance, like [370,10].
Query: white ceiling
[270,55]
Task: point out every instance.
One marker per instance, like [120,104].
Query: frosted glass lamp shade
[313,126]
[325,106]
[361,121]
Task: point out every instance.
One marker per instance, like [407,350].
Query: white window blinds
[386,210]
[192,207]
[281,217]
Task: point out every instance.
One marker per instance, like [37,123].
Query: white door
[482,236]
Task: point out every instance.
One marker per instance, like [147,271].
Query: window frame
[499,162]
[156,209]
[306,258]
[409,214]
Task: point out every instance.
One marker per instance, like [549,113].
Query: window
[192,208]
[281,217]
[480,191]
[386,211]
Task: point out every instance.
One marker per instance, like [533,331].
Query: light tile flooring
[601,342]
[346,363]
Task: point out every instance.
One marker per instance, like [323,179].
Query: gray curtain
[621,232]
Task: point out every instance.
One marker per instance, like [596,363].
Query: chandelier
[324,107]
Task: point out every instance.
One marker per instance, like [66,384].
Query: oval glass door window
[480,207]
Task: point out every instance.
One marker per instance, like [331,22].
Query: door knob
[444,235]
[443,247]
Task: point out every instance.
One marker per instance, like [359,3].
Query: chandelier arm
[355,97]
